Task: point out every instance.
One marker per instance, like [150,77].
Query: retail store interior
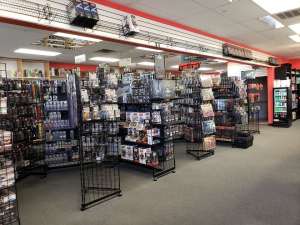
[107,130]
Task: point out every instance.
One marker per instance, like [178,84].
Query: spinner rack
[99,141]
[156,150]
[62,148]
[9,212]
[199,144]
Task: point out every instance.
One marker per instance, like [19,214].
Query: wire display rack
[9,212]
[62,147]
[99,141]
[145,139]
[199,115]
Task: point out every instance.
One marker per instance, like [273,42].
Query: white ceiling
[237,21]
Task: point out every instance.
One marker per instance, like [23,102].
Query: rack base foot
[200,154]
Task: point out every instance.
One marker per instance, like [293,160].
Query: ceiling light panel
[36,52]
[272,22]
[104,59]
[76,37]
[295,28]
[295,38]
[205,69]
[146,63]
[148,49]
[277,6]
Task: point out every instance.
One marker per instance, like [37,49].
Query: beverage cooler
[282,107]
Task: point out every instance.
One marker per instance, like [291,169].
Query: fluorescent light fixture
[220,61]
[205,69]
[105,59]
[272,22]
[148,49]
[76,37]
[146,63]
[278,6]
[295,38]
[295,28]
[36,52]
[175,67]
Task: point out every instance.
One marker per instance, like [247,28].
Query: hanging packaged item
[83,13]
[130,26]
[209,143]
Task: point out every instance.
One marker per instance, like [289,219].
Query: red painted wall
[295,63]
[271,77]
[85,68]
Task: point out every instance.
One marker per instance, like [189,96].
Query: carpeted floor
[258,186]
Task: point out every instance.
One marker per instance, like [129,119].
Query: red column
[271,78]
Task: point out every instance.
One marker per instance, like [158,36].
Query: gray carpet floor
[258,186]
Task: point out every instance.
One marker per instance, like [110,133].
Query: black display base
[283,125]
[114,193]
[156,172]
[200,154]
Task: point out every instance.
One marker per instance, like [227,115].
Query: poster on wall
[160,66]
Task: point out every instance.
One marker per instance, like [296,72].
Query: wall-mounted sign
[80,59]
[237,52]
[160,66]
[125,62]
[192,65]
[249,74]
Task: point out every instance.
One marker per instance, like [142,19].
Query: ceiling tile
[177,10]
[212,3]
[241,10]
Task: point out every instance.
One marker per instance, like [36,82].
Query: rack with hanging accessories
[99,117]
[25,119]
[62,147]
[9,212]
[146,141]
[253,102]
[198,114]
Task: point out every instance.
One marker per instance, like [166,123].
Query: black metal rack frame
[99,169]
[9,211]
[195,120]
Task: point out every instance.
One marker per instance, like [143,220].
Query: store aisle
[258,186]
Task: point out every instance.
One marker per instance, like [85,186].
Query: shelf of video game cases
[60,107]
[198,114]
[9,212]
[25,120]
[230,113]
[99,117]
[149,125]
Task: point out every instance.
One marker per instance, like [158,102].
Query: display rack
[62,147]
[298,92]
[294,90]
[282,102]
[9,212]
[25,119]
[99,118]
[230,113]
[253,102]
[146,141]
[197,111]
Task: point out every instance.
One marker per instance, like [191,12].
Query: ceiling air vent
[105,51]
[289,14]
